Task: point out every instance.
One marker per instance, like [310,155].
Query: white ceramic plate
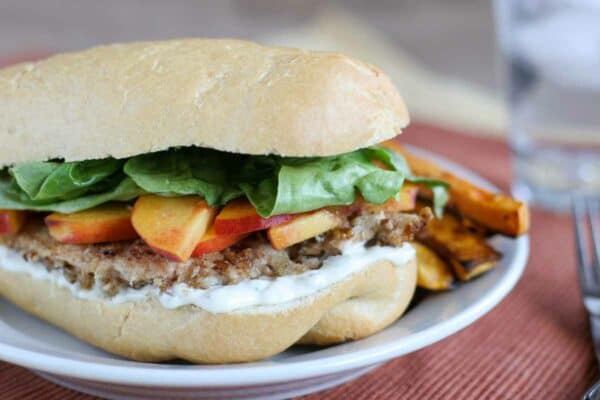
[29,342]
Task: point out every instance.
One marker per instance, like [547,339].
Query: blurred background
[424,44]
[443,55]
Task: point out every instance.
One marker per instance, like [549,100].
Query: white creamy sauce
[218,299]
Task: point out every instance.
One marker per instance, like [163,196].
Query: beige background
[454,37]
[441,53]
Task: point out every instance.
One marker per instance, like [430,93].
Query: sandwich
[214,201]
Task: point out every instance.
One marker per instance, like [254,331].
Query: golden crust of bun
[358,306]
[127,99]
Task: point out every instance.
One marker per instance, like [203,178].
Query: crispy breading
[134,264]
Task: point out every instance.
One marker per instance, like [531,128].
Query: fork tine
[586,281]
[593,215]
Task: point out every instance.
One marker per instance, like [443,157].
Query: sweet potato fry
[496,212]
[475,227]
[467,253]
[433,272]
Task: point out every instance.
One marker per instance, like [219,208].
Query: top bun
[127,99]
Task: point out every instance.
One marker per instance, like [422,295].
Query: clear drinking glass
[551,50]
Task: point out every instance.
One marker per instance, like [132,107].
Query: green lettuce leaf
[439,190]
[274,185]
[12,199]
[189,171]
[60,181]
[299,185]
[389,158]
[395,161]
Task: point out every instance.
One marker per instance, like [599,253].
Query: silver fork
[586,213]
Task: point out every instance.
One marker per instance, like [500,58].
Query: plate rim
[219,376]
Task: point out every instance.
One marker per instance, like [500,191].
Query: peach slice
[105,223]
[172,226]
[239,216]
[11,221]
[303,227]
[406,201]
[212,242]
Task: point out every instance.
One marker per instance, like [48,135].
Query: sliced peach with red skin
[407,201]
[303,227]
[212,242]
[105,223]
[172,226]
[11,221]
[239,216]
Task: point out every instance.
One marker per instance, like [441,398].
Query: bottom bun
[361,304]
